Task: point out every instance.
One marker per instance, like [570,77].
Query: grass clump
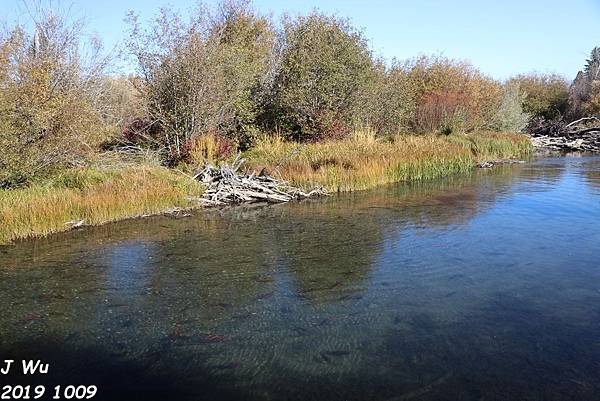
[94,195]
[363,161]
[494,145]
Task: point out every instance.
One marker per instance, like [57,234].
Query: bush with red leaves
[438,109]
[212,147]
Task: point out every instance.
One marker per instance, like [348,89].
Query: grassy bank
[96,196]
[363,162]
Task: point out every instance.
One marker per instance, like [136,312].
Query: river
[479,287]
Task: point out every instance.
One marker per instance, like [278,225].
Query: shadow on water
[115,378]
[473,287]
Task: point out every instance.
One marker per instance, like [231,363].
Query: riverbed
[477,287]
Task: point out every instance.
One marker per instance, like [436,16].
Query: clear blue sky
[502,37]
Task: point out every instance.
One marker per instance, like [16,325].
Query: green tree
[391,103]
[203,76]
[323,77]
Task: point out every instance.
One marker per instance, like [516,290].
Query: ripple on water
[476,287]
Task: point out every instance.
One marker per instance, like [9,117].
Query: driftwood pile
[225,185]
[581,135]
[492,163]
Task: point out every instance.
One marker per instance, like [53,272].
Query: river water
[480,287]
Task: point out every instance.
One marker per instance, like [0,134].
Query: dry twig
[224,185]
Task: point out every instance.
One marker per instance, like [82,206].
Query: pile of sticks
[492,163]
[580,135]
[224,186]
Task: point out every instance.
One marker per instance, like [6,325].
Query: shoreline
[93,197]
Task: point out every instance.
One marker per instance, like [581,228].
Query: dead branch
[581,120]
[578,135]
[224,185]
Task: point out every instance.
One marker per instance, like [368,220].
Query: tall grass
[494,145]
[363,161]
[94,195]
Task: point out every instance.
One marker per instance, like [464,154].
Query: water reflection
[128,268]
[472,287]
[592,174]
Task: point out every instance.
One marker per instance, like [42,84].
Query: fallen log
[492,163]
[580,135]
[590,142]
[580,121]
[224,186]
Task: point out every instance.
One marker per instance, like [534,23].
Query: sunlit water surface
[485,287]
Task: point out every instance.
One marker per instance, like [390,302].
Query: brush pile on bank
[225,185]
[582,135]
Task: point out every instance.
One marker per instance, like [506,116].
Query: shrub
[442,111]
[390,105]
[592,105]
[141,131]
[48,112]
[322,78]
[510,116]
[120,102]
[544,95]
[467,99]
[210,147]
[203,75]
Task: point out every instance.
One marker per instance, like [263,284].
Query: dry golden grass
[494,145]
[364,161]
[101,195]
[93,195]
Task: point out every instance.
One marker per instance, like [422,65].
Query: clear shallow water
[484,287]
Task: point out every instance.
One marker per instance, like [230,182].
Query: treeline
[237,74]
[234,75]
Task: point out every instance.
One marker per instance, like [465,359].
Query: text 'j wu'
[29,367]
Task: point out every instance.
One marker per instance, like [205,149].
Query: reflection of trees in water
[213,265]
[545,172]
[593,179]
[592,174]
[227,258]
[330,245]
[59,284]
[173,270]
[329,248]
[451,201]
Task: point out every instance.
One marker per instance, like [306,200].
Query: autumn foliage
[50,115]
[220,79]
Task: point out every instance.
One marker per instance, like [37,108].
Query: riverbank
[364,162]
[94,196]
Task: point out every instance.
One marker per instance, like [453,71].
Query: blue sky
[502,38]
